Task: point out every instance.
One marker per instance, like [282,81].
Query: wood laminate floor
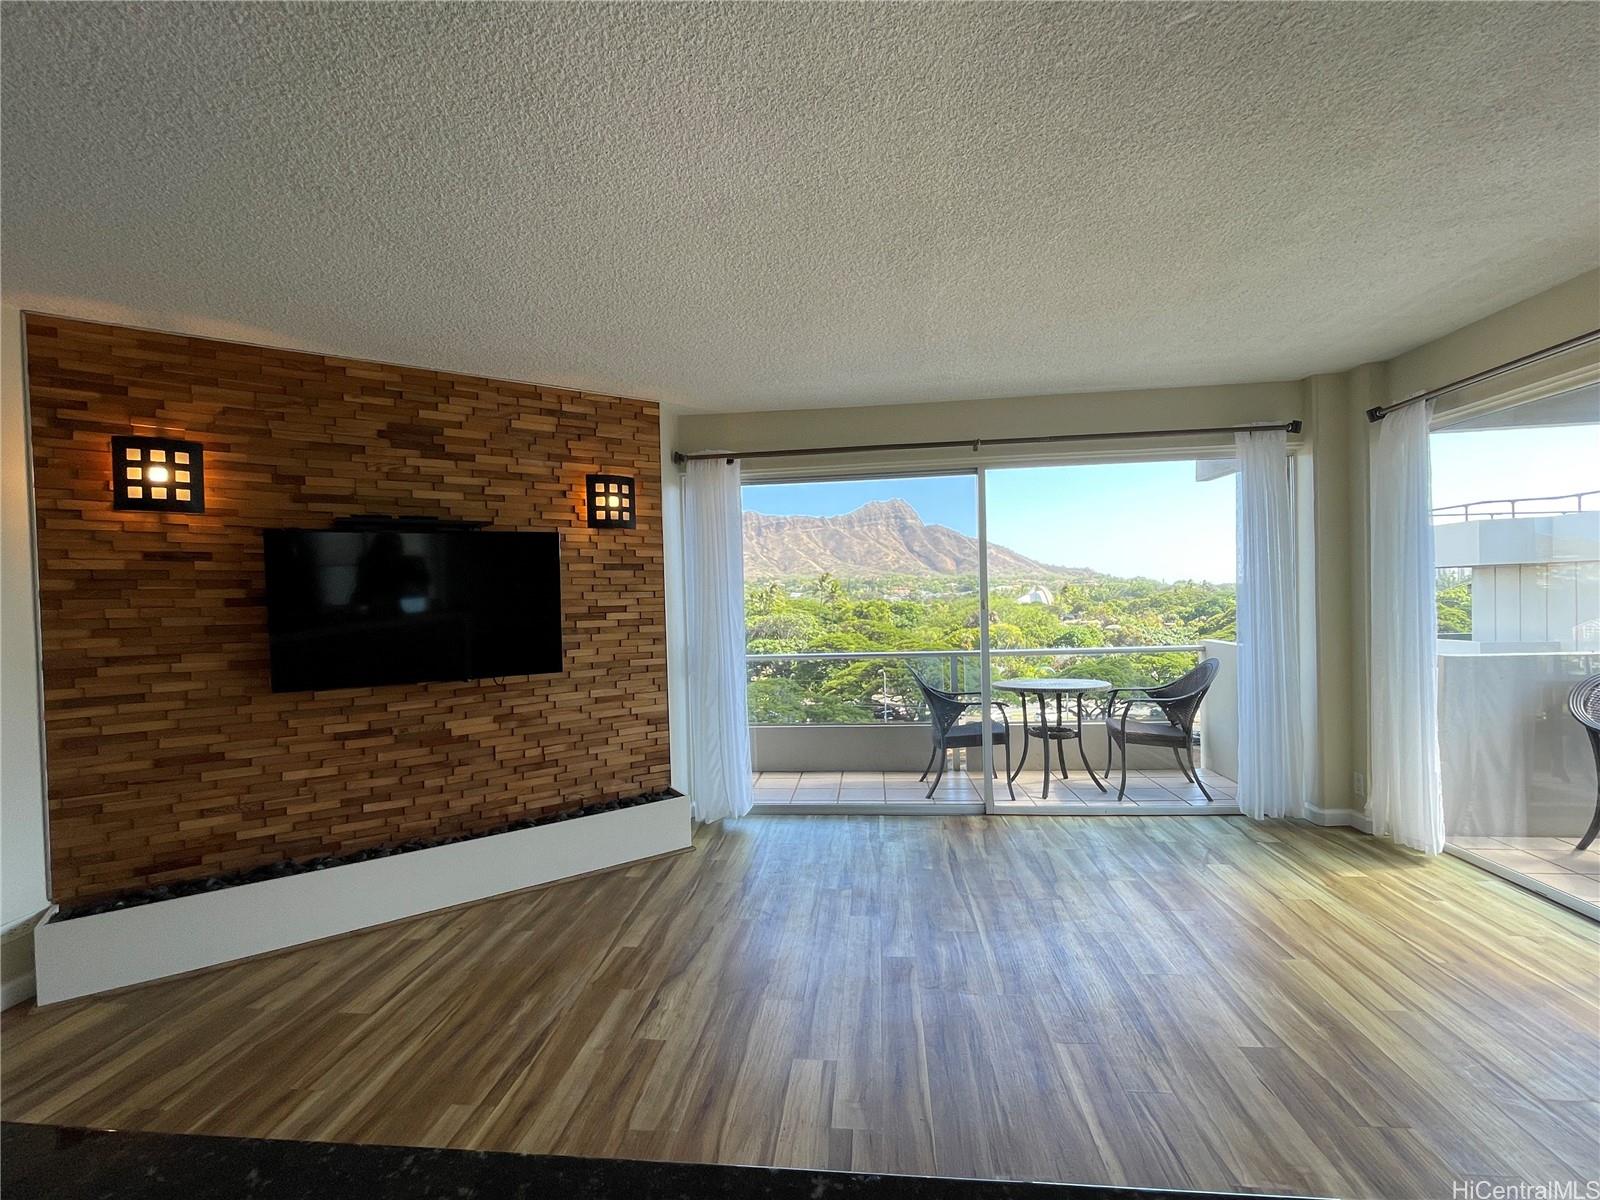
[1186,1002]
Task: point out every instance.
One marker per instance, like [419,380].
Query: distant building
[1535,580]
[1038,595]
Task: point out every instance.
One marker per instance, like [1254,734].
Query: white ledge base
[171,937]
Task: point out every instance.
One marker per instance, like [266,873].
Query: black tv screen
[365,607]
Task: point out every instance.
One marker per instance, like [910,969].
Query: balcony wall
[905,746]
[1500,541]
[1514,761]
[1536,607]
[900,746]
[1219,715]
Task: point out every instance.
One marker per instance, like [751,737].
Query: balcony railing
[1522,506]
[818,720]
[889,695]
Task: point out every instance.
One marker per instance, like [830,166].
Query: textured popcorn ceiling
[785,205]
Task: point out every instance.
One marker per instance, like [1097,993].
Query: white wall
[1563,312]
[1327,670]
[23,873]
[672,547]
[1023,416]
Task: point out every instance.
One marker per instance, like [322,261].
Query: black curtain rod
[979,443]
[1379,412]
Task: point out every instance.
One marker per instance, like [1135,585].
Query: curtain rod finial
[679,458]
[1376,413]
[1294,427]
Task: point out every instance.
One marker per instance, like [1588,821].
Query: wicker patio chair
[951,733]
[1178,703]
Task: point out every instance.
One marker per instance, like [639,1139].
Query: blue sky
[1154,519]
[1498,464]
[1123,519]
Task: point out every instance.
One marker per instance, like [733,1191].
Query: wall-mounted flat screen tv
[364,607]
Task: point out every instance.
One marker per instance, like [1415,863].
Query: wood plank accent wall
[169,756]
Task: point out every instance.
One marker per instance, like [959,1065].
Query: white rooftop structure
[1535,578]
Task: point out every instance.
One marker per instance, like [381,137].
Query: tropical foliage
[933,621]
[932,616]
[1453,595]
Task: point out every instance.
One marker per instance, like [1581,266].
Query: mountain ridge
[882,537]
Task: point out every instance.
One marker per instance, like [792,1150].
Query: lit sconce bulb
[610,501]
[157,474]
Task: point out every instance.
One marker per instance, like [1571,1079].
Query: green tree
[1453,596]
[890,613]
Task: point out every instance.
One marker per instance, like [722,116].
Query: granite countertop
[76,1164]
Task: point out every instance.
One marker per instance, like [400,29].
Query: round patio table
[1058,731]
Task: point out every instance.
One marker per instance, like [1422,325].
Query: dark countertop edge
[68,1163]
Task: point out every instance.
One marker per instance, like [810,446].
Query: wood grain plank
[1185,1003]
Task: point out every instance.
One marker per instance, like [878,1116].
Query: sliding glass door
[951,642]
[1105,576]
[862,605]
[1516,495]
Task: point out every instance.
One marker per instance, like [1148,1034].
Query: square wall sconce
[611,502]
[157,475]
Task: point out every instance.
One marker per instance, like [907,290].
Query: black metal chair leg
[1177,756]
[1594,826]
[1084,755]
[931,759]
[934,786]
[1022,759]
[1108,741]
[1122,787]
[1584,703]
[1009,775]
[1194,774]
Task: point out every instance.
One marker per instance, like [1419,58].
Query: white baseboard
[1356,818]
[16,960]
[15,991]
[171,937]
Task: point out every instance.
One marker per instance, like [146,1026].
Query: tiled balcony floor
[812,790]
[1552,861]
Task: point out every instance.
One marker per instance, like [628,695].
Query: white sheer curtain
[1405,800]
[1272,781]
[719,722]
